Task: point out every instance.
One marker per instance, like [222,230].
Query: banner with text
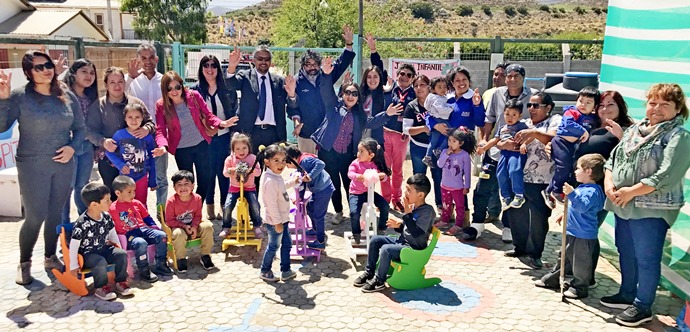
[8,146]
[430,68]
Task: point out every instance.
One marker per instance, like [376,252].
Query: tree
[183,21]
[423,10]
[318,22]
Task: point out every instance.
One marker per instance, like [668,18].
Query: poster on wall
[430,68]
[8,146]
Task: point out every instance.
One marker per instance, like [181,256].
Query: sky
[233,4]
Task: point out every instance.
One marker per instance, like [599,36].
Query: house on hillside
[105,13]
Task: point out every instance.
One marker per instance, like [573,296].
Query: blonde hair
[670,92]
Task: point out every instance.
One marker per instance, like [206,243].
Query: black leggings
[196,158]
[337,165]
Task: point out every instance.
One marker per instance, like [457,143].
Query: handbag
[210,130]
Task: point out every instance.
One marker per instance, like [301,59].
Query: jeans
[640,244]
[437,141]
[450,198]
[356,203]
[486,194]
[82,174]
[510,173]
[138,241]
[316,210]
[277,240]
[578,264]
[162,179]
[530,223]
[337,165]
[98,262]
[416,154]
[108,173]
[254,208]
[395,150]
[562,153]
[382,249]
[196,158]
[218,151]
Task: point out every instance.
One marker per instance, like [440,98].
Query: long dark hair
[466,136]
[203,84]
[624,119]
[372,146]
[357,110]
[365,87]
[56,89]
[90,92]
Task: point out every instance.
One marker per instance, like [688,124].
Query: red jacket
[169,134]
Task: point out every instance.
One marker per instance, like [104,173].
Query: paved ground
[481,291]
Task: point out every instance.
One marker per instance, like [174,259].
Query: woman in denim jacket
[644,186]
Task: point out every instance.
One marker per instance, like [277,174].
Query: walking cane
[561,278]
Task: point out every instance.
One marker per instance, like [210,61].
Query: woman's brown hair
[168,107]
[670,92]
[56,88]
[624,119]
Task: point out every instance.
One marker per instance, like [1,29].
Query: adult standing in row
[51,127]
[106,117]
[222,102]
[180,131]
[81,79]
[147,88]
[373,80]
[312,91]
[395,141]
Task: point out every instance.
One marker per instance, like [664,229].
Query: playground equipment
[367,219]
[160,208]
[410,272]
[301,225]
[242,233]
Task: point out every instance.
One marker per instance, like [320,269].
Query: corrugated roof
[41,22]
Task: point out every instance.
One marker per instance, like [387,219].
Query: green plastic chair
[409,273]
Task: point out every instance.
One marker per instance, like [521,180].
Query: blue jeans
[277,240]
[640,244]
[356,202]
[562,153]
[254,208]
[436,139]
[83,164]
[316,209]
[416,154]
[218,151]
[485,195]
[138,241]
[382,249]
[162,179]
[510,173]
[98,262]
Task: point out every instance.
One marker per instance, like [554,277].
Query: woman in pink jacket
[180,130]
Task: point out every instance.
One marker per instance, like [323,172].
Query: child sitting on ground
[575,126]
[319,183]
[183,216]
[437,105]
[134,156]
[276,202]
[582,228]
[94,237]
[511,164]
[134,222]
[415,229]
[369,156]
[240,165]
[456,178]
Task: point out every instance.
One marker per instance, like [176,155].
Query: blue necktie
[262,98]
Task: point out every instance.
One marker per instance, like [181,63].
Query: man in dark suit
[264,97]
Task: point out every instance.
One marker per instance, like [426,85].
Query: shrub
[562,10]
[465,10]
[487,10]
[580,10]
[423,10]
[523,10]
[596,10]
[510,11]
[605,10]
[544,8]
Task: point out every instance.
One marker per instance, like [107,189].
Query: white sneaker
[507,236]
[338,218]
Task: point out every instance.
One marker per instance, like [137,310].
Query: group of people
[532,159]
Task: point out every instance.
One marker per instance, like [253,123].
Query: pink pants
[450,197]
[141,193]
[395,145]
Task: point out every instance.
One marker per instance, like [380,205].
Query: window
[99,21]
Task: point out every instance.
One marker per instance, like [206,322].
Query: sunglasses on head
[351,93]
[210,65]
[42,67]
[535,105]
[176,87]
[402,73]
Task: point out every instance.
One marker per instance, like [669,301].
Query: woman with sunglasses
[221,101]
[181,132]
[81,79]
[51,129]
[106,117]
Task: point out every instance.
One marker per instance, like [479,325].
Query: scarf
[310,78]
[639,138]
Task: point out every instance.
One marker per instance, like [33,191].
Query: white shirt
[219,110]
[148,90]
[269,117]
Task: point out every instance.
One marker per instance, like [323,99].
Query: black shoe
[162,269]
[182,265]
[634,316]
[615,302]
[146,275]
[534,263]
[206,262]
[548,201]
[361,280]
[373,285]
[357,238]
[513,253]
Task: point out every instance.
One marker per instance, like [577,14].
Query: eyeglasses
[176,87]
[311,65]
[351,93]
[42,67]
[210,65]
[535,105]
[260,58]
[402,73]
